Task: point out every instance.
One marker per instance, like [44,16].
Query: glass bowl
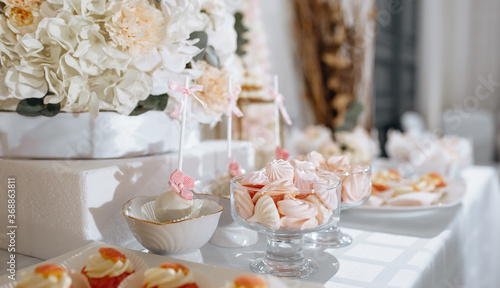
[285,217]
[356,190]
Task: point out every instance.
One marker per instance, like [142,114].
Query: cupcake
[107,269]
[247,281]
[171,275]
[47,276]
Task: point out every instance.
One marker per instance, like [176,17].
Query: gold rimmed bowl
[175,237]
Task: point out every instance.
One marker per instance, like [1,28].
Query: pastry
[46,276]
[169,275]
[107,269]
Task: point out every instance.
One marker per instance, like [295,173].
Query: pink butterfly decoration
[182,184]
[282,153]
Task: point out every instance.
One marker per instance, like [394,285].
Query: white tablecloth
[454,247]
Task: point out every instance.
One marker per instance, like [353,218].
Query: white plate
[218,276]
[452,197]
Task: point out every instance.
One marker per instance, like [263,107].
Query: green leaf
[211,56]
[153,102]
[203,39]
[241,29]
[351,116]
[33,107]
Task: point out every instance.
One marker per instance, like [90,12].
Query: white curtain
[459,59]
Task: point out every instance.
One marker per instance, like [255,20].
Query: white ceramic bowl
[172,237]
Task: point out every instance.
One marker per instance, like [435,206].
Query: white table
[455,247]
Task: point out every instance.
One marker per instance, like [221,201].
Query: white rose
[134,86]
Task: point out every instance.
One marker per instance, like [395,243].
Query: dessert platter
[102,265]
[429,191]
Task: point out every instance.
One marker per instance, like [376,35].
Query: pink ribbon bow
[282,153]
[174,86]
[232,96]
[281,104]
[234,168]
[181,183]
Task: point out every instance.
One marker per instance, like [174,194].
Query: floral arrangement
[356,144]
[116,55]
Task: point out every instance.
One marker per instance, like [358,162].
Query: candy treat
[288,196]
[107,269]
[247,281]
[46,276]
[177,202]
[171,275]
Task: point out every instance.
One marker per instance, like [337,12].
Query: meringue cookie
[279,169]
[276,189]
[303,165]
[298,223]
[255,179]
[355,187]
[323,212]
[266,213]
[297,208]
[170,206]
[317,159]
[338,163]
[304,179]
[327,194]
[243,202]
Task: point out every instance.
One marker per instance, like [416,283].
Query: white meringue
[297,208]
[266,213]
[276,189]
[355,187]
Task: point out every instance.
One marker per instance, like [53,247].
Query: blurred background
[431,67]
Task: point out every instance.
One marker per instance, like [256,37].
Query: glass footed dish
[356,190]
[285,217]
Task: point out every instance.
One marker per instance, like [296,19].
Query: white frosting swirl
[297,208]
[36,280]
[317,159]
[167,278]
[98,267]
[304,179]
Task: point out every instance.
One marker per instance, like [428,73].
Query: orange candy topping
[112,254]
[50,269]
[249,281]
[175,266]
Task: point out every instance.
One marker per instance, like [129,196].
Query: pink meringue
[279,169]
[276,189]
[317,159]
[243,202]
[255,179]
[304,179]
[266,213]
[297,208]
[338,163]
[303,165]
[355,187]
[323,212]
[298,223]
[326,194]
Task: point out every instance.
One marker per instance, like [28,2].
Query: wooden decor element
[335,40]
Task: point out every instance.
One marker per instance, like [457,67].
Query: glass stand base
[331,238]
[304,270]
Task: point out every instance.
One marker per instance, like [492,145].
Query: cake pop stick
[279,108]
